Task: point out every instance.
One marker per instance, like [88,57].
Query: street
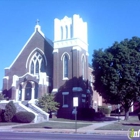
[53,136]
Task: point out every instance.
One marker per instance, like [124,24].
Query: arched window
[32,68]
[37,67]
[65,66]
[37,64]
[83,67]
[42,66]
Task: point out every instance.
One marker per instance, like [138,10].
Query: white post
[23,94]
[33,94]
[75,104]
[17,95]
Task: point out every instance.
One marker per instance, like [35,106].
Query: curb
[70,131]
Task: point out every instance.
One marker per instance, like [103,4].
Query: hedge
[104,109]
[10,111]
[24,117]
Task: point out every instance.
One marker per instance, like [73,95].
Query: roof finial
[38,28]
[37,22]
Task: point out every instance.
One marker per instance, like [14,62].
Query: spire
[38,27]
[37,22]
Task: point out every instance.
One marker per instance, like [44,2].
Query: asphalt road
[53,136]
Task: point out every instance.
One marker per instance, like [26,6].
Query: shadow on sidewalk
[131,124]
[106,119]
[48,127]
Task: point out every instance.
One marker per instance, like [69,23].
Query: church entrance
[28,91]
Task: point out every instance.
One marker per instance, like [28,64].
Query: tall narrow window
[61,32]
[32,67]
[66,32]
[83,68]
[65,66]
[65,99]
[42,66]
[37,67]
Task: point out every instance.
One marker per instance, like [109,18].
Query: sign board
[75,101]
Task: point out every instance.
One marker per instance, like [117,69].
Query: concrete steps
[40,115]
[43,116]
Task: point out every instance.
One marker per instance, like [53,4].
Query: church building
[59,67]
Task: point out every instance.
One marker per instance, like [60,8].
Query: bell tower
[70,31]
[70,41]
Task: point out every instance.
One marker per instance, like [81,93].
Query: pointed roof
[37,29]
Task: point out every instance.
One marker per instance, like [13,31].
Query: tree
[2,96]
[117,73]
[47,103]
[10,111]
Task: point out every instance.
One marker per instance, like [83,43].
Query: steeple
[37,22]
[38,28]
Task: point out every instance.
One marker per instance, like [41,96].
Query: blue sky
[108,21]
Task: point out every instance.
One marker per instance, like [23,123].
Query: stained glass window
[37,67]
[32,67]
[65,66]
[37,64]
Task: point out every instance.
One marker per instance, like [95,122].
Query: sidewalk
[84,130]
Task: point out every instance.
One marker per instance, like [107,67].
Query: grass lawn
[8,123]
[53,125]
[123,125]
[96,120]
[68,120]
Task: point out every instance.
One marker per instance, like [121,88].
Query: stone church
[59,67]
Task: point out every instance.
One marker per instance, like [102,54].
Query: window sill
[65,78]
[65,93]
[65,106]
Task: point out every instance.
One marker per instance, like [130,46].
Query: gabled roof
[37,29]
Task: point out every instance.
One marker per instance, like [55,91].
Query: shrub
[116,111]
[1,119]
[104,109]
[2,115]
[0,111]
[10,111]
[85,113]
[24,117]
[139,116]
[98,115]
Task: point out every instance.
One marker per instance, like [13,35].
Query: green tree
[117,73]
[2,96]
[47,103]
[10,111]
